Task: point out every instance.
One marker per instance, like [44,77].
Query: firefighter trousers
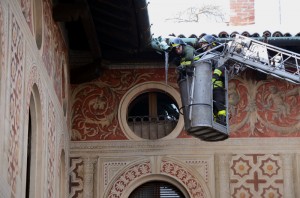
[219,101]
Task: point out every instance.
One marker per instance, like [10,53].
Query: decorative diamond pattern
[256,175]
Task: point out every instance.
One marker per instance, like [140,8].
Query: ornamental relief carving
[202,167]
[166,167]
[268,108]
[54,51]
[186,177]
[95,105]
[258,108]
[110,169]
[17,58]
[132,173]
[27,12]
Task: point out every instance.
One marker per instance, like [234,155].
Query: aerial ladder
[238,54]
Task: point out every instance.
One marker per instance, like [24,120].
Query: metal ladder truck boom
[246,52]
[275,61]
[238,54]
[197,91]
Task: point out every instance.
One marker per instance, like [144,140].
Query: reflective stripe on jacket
[187,57]
[217,79]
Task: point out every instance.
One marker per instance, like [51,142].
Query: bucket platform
[197,104]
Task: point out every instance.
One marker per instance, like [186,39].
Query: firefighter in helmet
[207,42]
[185,56]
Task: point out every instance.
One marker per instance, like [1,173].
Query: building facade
[63,140]
[34,102]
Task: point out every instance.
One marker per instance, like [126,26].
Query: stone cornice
[136,65]
[187,146]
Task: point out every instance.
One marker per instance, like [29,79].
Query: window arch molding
[134,92]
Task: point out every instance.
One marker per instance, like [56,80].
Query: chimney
[242,12]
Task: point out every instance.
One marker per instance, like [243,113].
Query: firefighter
[185,56]
[206,43]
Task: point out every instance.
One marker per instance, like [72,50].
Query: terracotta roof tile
[228,34]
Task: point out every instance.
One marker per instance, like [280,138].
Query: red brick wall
[242,12]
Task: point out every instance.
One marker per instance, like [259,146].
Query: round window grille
[153,115]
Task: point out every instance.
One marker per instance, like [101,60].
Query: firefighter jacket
[218,73]
[188,56]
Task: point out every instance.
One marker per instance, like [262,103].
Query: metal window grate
[152,127]
[156,189]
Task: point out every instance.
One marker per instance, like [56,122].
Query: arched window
[29,159]
[157,189]
[34,158]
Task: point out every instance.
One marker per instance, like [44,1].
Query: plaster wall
[31,79]
[260,159]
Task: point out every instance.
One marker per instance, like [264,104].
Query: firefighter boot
[221,118]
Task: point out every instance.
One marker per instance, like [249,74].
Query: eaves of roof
[227,34]
[276,38]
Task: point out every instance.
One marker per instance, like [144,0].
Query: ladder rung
[265,58]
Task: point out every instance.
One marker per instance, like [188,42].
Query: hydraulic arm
[246,52]
[242,52]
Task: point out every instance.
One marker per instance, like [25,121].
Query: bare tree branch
[194,14]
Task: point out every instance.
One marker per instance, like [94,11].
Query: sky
[272,15]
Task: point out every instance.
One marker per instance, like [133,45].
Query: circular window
[150,111]
[153,115]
